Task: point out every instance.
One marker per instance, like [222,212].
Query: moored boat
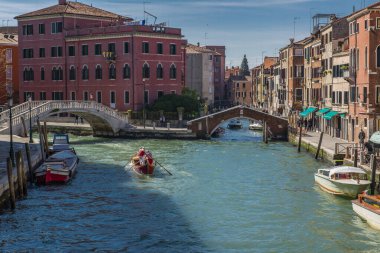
[235,124]
[368,208]
[255,126]
[143,163]
[58,168]
[342,180]
[60,143]
[218,132]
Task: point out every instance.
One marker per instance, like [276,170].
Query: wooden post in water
[373,177]
[41,139]
[25,131]
[265,132]
[27,149]
[300,139]
[12,196]
[19,174]
[46,139]
[319,145]
[356,157]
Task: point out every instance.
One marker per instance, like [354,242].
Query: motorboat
[235,124]
[58,168]
[367,207]
[142,163]
[60,143]
[342,180]
[255,126]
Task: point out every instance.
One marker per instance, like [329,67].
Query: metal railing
[346,148]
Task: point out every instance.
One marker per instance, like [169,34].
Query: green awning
[308,111]
[323,111]
[330,115]
[342,114]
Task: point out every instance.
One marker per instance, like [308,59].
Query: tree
[170,103]
[244,69]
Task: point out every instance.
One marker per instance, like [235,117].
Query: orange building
[9,81]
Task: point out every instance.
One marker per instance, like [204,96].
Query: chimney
[62,2]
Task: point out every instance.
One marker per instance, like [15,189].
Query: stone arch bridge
[103,120]
[277,127]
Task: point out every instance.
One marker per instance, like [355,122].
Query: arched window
[126,72]
[160,72]
[146,71]
[378,56]
[59,74]
[31,74]
[85,73]
[54,74]
[28,74]
[98,73]
[72,74]
[42,74]
[173,72]
[112,72]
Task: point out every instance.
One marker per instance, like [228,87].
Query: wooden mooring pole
[27,149]
[356,158]
[19,170]
[373,177]
[12,197]
[300,139]
[319,145]
[41,139]
[46,142]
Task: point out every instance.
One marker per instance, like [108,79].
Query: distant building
[73,51]
[9,82]
[242,92]
[220,92]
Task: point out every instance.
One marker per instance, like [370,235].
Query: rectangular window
[333,98]
[84,50]
[298,94]
[71,50]
[365,95]
[173,49]
[57,95]
[113,97]
[377,23]
[160,93]
[112,47]
[56,27]
[42,52]
[99,97]
[345,101]
[53,52]
[160,48]
[339,97]
[126,47]
[145,47]
[352,94]
[85,96]
[366,24]
[59,51]
[73,95]
[27,30]
[98,49]
[42,95]
[41,28]
[27,53]
[126,97]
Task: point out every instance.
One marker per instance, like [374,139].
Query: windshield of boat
[351,176]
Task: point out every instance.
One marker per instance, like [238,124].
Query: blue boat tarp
[323,111]
[308,111]
[330,115]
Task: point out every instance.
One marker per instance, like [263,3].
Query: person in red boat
[149,158]
[141,152]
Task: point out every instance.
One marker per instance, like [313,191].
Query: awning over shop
[342,114]
[330,115]
[323,111]
[308,111]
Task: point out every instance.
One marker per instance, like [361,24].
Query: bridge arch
[277,127]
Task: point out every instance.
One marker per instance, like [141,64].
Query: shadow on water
[103,208]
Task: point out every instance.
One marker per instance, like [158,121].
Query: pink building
[73,51]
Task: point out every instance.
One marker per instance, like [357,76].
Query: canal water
[231,194]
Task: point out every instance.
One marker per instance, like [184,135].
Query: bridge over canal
[103,120]
[277,127]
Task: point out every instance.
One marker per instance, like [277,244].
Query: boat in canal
[235,124]
[60,143]
[342,180]
[255,126]
[218,132]
[142,163]
[367,207]
[58,168]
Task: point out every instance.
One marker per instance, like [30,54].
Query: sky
[255,28]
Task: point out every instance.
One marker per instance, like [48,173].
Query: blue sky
[251,27]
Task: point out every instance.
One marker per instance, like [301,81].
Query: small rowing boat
[142,162]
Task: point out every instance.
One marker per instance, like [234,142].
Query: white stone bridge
[103,120]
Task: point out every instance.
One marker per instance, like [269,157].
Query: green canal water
[231,194]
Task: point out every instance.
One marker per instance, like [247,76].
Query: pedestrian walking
[76,119]
[361,138]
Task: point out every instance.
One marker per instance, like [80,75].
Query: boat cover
[375,139]
[346,169]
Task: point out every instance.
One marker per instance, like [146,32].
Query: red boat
[143,163]
[58,168]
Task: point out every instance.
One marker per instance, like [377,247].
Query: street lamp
[11,152]
[144,102]
[30,119]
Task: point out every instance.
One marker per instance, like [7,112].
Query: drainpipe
[65,56]
[133,72]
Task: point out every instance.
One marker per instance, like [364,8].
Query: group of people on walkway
[308,124]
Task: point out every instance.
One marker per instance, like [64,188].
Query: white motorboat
[368,208]
[235,124]
[342,180]
[255,126]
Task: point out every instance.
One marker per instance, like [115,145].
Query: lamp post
[11,152]
[144,102]
[30,119]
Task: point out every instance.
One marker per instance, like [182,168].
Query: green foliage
[244,69]
[189,93]
[170,103]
